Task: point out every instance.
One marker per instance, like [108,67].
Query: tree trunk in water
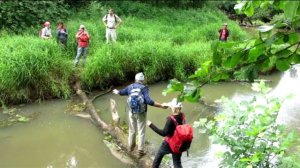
[119,135]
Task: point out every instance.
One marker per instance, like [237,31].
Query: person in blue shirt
[137,121]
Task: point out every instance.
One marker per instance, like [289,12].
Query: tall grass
[31,68]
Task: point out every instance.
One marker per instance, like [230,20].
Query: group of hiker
[111,21]
[178,135]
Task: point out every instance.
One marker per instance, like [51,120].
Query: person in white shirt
[46,31]
[111,22]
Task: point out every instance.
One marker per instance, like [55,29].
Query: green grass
[164,43]
[31,68]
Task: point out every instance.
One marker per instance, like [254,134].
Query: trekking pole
[187,153]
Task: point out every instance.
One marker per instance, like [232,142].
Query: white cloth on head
[175,104]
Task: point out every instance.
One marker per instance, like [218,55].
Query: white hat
[139,76]
[175,104]
[81,26]
[225,24]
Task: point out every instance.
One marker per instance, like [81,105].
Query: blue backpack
[136,100]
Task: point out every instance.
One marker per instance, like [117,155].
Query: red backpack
[182,137]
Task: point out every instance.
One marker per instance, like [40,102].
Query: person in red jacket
[83,39]
[168,131]
[224,33]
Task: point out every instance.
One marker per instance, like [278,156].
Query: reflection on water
[56,139]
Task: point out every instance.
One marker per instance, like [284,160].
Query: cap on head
[139,76]
[81,27]
[46,23]
[175,104]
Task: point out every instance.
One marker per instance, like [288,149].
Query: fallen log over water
[118,135]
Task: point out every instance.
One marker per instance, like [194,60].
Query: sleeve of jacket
[163,132]
[147,98]
[124,92]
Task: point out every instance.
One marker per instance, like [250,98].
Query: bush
[19,15]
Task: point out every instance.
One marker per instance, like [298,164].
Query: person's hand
[165,105]
[149,123]
[115,91]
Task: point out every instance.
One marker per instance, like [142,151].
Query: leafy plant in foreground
[249,131]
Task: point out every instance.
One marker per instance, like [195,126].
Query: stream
[58,139]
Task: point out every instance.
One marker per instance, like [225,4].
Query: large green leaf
[256,52]
[232,61]
[249,11]
[221,76]
[283,64]
[284,53]
[216,59]
[203,71]
[192,95]
[290,9]
[293,38]
[296,58]
[268,64]
[173,86]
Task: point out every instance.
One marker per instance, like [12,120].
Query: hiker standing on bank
[179,143]
[111,22]
[138,98]
[83,39]
[45,33]
[223,33]
[62,34]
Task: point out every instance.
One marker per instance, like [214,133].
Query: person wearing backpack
[111,21]
[62,34]
[138,99]
[83,39]
[178,136]
[45,33]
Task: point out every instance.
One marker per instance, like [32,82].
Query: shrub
[19,15]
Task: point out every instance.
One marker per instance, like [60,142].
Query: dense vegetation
[18,15]
[162,42]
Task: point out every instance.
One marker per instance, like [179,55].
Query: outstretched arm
[162,132]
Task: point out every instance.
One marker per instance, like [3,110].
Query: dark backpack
[136,100]
[182,137]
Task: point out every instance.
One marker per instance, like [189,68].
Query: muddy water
[56,139]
